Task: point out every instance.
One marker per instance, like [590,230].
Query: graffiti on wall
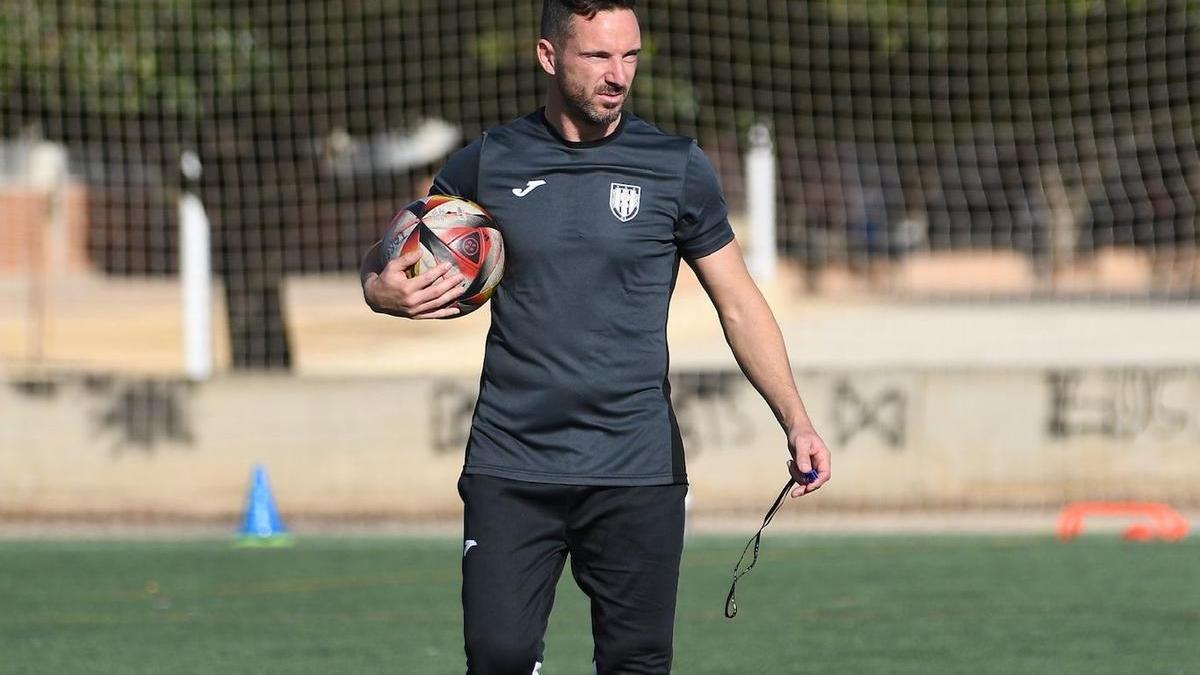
[141,414]
[453,403]
[1120,404]
[707,410]
[705,403]
[858,412]
[131,414]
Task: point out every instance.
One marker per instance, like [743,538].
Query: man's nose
[618,73]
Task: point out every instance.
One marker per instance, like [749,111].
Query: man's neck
[573,129]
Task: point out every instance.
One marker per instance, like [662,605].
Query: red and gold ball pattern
[454,230]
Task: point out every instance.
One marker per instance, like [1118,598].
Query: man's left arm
[757,344]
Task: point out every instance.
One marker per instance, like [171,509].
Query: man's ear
[547,57]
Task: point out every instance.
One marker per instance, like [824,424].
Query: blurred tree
[145,81]
[270,92]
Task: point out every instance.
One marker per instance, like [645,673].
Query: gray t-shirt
[574,386]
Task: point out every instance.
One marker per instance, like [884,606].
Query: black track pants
[625,544]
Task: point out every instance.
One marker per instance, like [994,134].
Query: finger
[822,478]
[397,271]
[798,477]
[438,271]
[443,313]
[406,260]
[418,294]
[803,461]
[821,462]
[444,292]
[816,484]
[445,299]
[440,284]
[794,471]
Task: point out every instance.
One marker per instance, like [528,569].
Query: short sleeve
[459,177]
[703,225]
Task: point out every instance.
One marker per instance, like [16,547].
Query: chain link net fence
[924,149]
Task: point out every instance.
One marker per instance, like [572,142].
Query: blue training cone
[261,524]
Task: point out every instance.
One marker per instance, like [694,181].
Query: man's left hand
[808,452]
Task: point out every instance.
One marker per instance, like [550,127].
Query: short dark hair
[556,14]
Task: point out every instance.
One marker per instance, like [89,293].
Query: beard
[581,104]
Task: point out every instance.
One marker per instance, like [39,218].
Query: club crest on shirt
[624,201]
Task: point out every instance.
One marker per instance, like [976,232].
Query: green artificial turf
[818,604]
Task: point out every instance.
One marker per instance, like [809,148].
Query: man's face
[596,64]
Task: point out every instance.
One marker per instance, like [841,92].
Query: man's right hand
[429,295]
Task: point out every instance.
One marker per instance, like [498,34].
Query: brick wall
[26,231]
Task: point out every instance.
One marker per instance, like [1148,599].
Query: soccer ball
[454,230]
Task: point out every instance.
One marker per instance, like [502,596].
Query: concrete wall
[97,445]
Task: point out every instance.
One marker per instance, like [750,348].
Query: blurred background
[976,222]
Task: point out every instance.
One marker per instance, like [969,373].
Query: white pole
[195,273]
[760,202]
[47,172]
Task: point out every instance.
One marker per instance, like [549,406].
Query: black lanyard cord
[756,541]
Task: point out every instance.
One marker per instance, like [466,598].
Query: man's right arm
[388,289]
[386,286]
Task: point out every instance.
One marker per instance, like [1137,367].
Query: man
[574,447]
